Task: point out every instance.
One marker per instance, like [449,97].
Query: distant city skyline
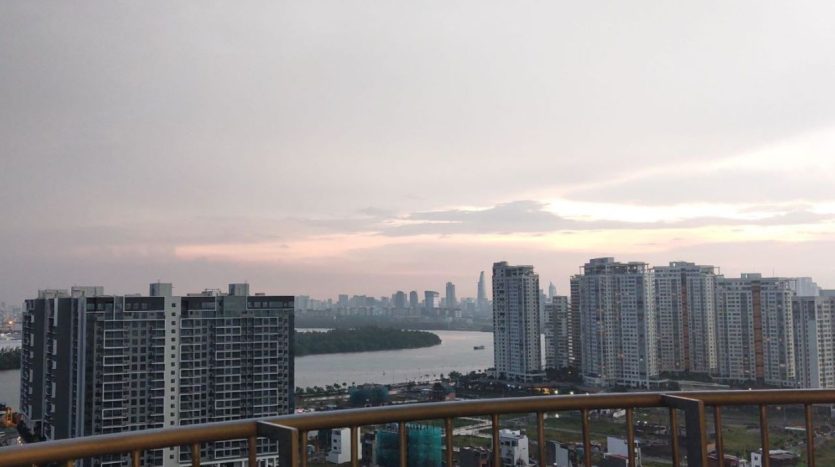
[469,285]
[317,148]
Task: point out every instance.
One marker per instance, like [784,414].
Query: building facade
[516,330]
[615,303]
[514,450]
[340,446]
[814,318]
[562,334]
[685,297]
[754,330]
[98,364]
[425,447]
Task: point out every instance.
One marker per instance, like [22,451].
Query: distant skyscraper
[414,301]
[552,291]
[685,296]
[431,300]
[399,300]
[615,305]
[814,318]
[516,331]
[451,300]
[482,304]
[97,364]
[302,302]
[562,335]
[754,330]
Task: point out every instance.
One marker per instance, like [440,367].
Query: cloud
[524,216]
[535,217]
[798,169]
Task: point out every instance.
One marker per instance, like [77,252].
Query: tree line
[361,340]
[10,359]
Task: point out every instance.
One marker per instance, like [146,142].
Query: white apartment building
[514,448]
[615,303]
[685,297]
[516,330]
[340,448]
[754,329]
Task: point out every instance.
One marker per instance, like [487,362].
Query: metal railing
[291,430]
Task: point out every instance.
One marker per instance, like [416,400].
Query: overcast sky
[363,147]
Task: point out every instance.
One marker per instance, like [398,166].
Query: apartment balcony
[688,447]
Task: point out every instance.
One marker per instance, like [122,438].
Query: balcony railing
[291,430]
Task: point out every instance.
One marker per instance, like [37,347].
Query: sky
[324,147]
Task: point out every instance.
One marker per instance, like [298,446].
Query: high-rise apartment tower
[562,335]
[97,364]
[685,305]
[615,304]
[516,331]
[814,338]
[754,330]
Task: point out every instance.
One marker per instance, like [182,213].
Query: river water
[455,353]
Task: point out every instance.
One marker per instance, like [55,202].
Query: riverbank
[455,353]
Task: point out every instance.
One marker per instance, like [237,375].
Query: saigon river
[455,353]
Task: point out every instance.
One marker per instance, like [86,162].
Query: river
[455,353]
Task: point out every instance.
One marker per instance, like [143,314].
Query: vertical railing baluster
[764,435]
[449,429]
[195,455]
[303,447]
[287,438]
[134,458]
[630,436]
[674,437]
[717,427]
[497,459]
[404,444]
[355,456]
[810,436]
[540,434]
[584,413]
[694,417]
[252,450]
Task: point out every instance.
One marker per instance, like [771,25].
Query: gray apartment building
[562,334]
[755,337]
[616,307]
[814,341]
[685,302]
[97,364]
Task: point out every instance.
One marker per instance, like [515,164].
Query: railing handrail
[126,442]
